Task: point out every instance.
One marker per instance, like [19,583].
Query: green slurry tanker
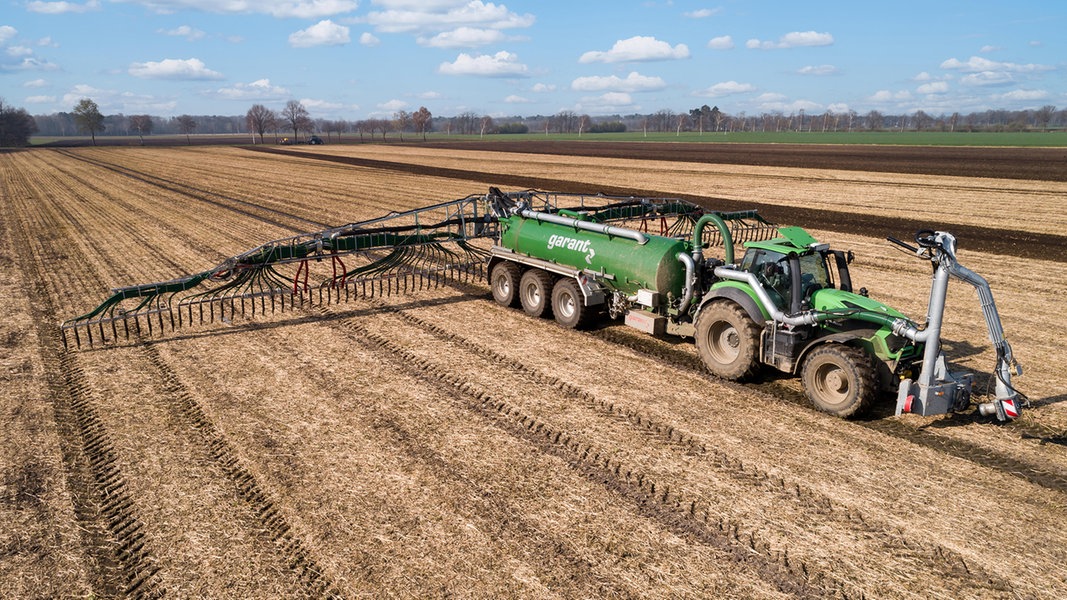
[666,266]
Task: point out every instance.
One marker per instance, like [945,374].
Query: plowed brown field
[437,444]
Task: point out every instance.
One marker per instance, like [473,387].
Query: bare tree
[142,124]
[259,119]
[401,119]
[186,125]
[583,123]
[421,119]
[88,118]
[875,120]
[683,120]
[1043,115]
[487,125]
[296,116]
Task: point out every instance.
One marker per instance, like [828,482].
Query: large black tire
[568,304]
[840,380]
[535,291]
[505,283]
[728,340]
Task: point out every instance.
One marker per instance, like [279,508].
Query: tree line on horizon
[85,118]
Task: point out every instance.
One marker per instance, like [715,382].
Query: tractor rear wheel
[568,304]
[535,290]
[505,283]
[727,340]
[838,379]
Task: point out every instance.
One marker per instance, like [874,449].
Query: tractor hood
[838,300]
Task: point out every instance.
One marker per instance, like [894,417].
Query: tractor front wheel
[838,379]
[504,280]
[535,290]
[727,340]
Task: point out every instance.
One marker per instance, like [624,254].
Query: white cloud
[606,103]
[723,42]
[924,76]
[702,13]
[428,95]
[260,89]
[321,105]
[818,70]
[793,39]
[40,99]
[184,31]
[18,51]
[323,33]
[882,96]
[174,68]
[30,64]
[393,105]
[1023,95]
[637,48]
[462,37]
[513,99]
[838,108]
[404,17]
[35,83]
[501,64]
[934,87]
[368,39]
[6,33]
[988,78]
[989,49]
[301,9]
[977,64]
[726,88]
[58,8]
[542,88]
[47,41]
[634,82]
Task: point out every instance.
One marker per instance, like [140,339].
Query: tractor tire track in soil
[136,571]
[953,447]
[685,443]
[678,514]
[227,203]
[310,573]
[679,511]
[987,239]
[120,551]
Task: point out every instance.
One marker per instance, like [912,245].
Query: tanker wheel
[727,340]
[535,289]
[568,304]
[505,283]
[838,379]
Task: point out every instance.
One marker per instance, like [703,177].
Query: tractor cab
[795,266]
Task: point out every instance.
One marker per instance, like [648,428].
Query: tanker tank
[628,264]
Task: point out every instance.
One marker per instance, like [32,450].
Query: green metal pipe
[727,239]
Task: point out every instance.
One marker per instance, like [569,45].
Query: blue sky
[358,59]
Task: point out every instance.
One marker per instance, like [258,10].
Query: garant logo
[562,241]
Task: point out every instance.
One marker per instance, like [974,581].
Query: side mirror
[849,257]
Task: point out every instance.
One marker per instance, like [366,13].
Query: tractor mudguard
[738,293]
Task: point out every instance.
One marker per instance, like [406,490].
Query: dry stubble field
[437,444]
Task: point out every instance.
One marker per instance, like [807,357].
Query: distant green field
[906,138]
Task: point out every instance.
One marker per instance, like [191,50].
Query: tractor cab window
[813,274]
[772,270]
